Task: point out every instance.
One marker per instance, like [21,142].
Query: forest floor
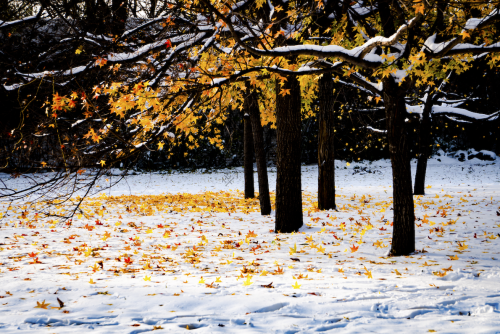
[171,252]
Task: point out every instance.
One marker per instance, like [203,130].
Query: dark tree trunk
[248,156]
[4,10]
[260,154]
[120,14]
[424,140]
[288,138]
[134,8]
[97,17]
[152,9]
[403,235]
[326,157]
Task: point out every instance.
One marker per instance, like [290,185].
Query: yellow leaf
[147,278]
[285,92]
[91,281]
[41,305]
[201,280]
[247,282]
[464,34]
[419,8]
[368,273]
[440,274]
[296,285]
[217,280]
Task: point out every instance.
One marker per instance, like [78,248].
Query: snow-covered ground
[175,251]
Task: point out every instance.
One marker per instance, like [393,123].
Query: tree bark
[248,156]
[260,154]
[288,138]
[326,156]
[120,15]
[423,147]
[152,9]
[97,17]
[403,235]
[4,10]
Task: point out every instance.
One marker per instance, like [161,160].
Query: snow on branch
[459,112]
[131,56]
[455,45]
[10,24]
[375,130]
[454,112]
[386,41]
[138,28]
[71,71]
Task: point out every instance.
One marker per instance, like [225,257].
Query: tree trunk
[288,180]
[248,156]
[97,17]
[403,235]
[326,156]
[120,15]
[260,154]
[4,10]
[423,147]
[152,9]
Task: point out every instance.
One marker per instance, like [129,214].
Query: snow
[71,71]
[375,130]
[463,112]
[5,24]
[12,87]
[361,11]
[271,9]
[453,111]
[472,23]
[431,45]
[404,294]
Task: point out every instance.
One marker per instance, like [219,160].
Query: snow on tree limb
[454,112]
[12,24]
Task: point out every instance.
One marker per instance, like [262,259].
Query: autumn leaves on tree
[177,74]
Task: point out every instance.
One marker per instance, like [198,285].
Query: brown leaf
[268,286]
